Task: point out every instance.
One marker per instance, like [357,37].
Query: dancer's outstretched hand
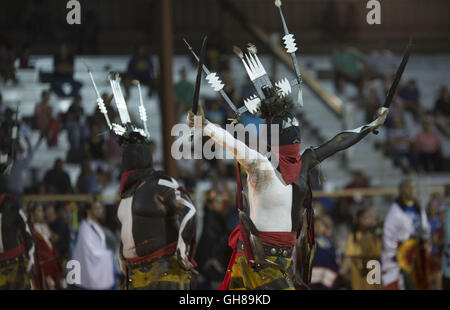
[200,113]
[382,114]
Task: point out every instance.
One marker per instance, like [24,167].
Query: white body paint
[269,197]
[125,217]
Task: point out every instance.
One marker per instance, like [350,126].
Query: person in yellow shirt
[362,246]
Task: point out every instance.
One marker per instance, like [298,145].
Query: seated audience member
[359,180]
[140,67]
[381,62]
[362,246]
[436,219]
[324,275]
[96,149]
[44,121]
[348,65]
[428,147]
[63,69]
[15,179]
[442,111]
[2,108]
[24,58]
[399,144]
[57,180]
[216,113]
[410,96]
[184,92]
[88,182]
[446,246]
[57,221]
[77,130]
[48,270]
[7,69]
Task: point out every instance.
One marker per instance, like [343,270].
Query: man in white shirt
[96,260]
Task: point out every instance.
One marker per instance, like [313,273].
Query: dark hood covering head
[276,110]
[136,151]
[288,129]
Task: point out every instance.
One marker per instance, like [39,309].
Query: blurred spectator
[24,58]
[20,165]
[58,225]
[216,113]
[114,151]
[357,200]
[140,67]
[87,182]
[63,69]
[399,144]
[405,230]
[442,111]
[362,246]
[324,274]
[2,108]
[96,260]
[48,270]
[96,148]
[213,253]
[158,163]
[436,222]
[410,96]
[77,130]
[7,58]
[377,91]
[44,121]
[381,62]
[446,246]
[428,146]
[348,63]
[98,118]
[184,91]
[57,180]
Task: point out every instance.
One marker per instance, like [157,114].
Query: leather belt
[270,250]
[11,261]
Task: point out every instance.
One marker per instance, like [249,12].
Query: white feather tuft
[251,48]
[238,52]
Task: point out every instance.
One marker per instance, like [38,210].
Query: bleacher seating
[430,71]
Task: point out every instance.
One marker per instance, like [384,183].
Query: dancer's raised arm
[247,157]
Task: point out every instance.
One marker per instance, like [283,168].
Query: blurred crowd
[372,75]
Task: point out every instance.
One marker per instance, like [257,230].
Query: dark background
[115,26]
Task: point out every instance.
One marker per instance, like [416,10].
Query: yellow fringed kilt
[13,274]
[163,273]
[264,277]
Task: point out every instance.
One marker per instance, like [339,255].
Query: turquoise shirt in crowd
[349,61]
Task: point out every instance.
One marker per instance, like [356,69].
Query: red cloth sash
[13,253]
[169,249]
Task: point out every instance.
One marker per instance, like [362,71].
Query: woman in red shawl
[48,270]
